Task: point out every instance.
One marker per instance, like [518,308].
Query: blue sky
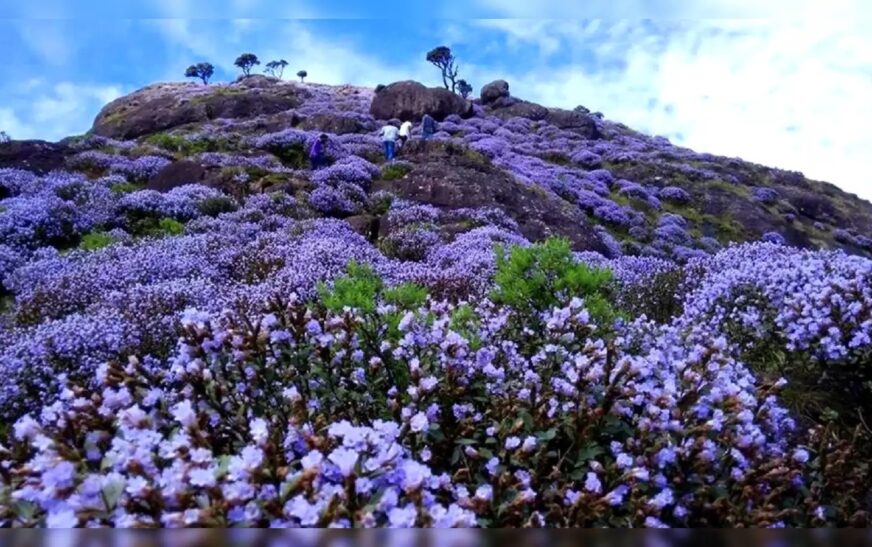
[788,85]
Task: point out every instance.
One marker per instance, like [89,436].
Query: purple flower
[592,483]
[345,459]
[403,517]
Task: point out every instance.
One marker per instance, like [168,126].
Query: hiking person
[428,126]
[405,133]
[318,152]
[389,134]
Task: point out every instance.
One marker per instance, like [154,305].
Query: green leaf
[589,452]
[547,435]
[111,493]
[24,510]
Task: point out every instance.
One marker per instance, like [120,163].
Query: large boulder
[177,174]
[445,177]
[332,123]
[575,121]
[505,109]
[163,106]
[37,156]
[411,100]
[494,91]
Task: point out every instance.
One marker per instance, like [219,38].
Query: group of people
[393,138]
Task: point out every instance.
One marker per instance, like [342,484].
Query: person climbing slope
[318,152]
[389,134]
[405,133]
[428,126]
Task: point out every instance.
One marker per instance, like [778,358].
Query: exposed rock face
[336,124]
[577,122]
[37,156]
[494,91]
[164,106]
[410,100]
[177,174]
[444,177]
[505,107]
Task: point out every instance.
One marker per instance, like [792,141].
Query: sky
[787,85]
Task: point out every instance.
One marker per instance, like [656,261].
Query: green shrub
[292,156]
[363,290]
[358,289]
[124,188]
[188,147]
[96,240]
[395,171]
[170,226]
[214,206]
[405,296]
[544,275]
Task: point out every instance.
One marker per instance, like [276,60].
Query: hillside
[199,329]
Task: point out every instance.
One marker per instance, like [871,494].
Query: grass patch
[124,188]
[180,144]
[96,240]
[395,171]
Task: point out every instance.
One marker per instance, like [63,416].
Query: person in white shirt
[389,135]
[405,133]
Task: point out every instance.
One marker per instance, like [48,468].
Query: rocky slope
[553,171]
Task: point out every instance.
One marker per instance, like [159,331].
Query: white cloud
[772,93]
[37,111]
[782,10]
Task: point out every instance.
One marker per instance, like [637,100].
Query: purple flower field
[208,354]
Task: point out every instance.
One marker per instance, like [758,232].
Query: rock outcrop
[177,174]
[494,91]
[447,178]
[37,156]
[164,106]
[410,100]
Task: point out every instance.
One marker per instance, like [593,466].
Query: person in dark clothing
[318,152]
[428,126]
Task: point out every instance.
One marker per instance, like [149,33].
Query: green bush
[157,227]
[96,240]
[188,147]
[214,206]
[544,275]
[124,188]
[395,171]
[358,289]
[170,226]
[362,289]
[293,156]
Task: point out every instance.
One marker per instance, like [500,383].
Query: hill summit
[555,172]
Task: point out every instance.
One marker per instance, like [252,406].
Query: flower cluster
[300,418]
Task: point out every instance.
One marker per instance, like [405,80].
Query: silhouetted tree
[203,71]
[464,88]
[276,68]
[302,75]
[4,137]
[444,60]
[246,62]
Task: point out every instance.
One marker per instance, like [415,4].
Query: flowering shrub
[587,159]
[346,199]
[303,417]
[674,194]
[765,195]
